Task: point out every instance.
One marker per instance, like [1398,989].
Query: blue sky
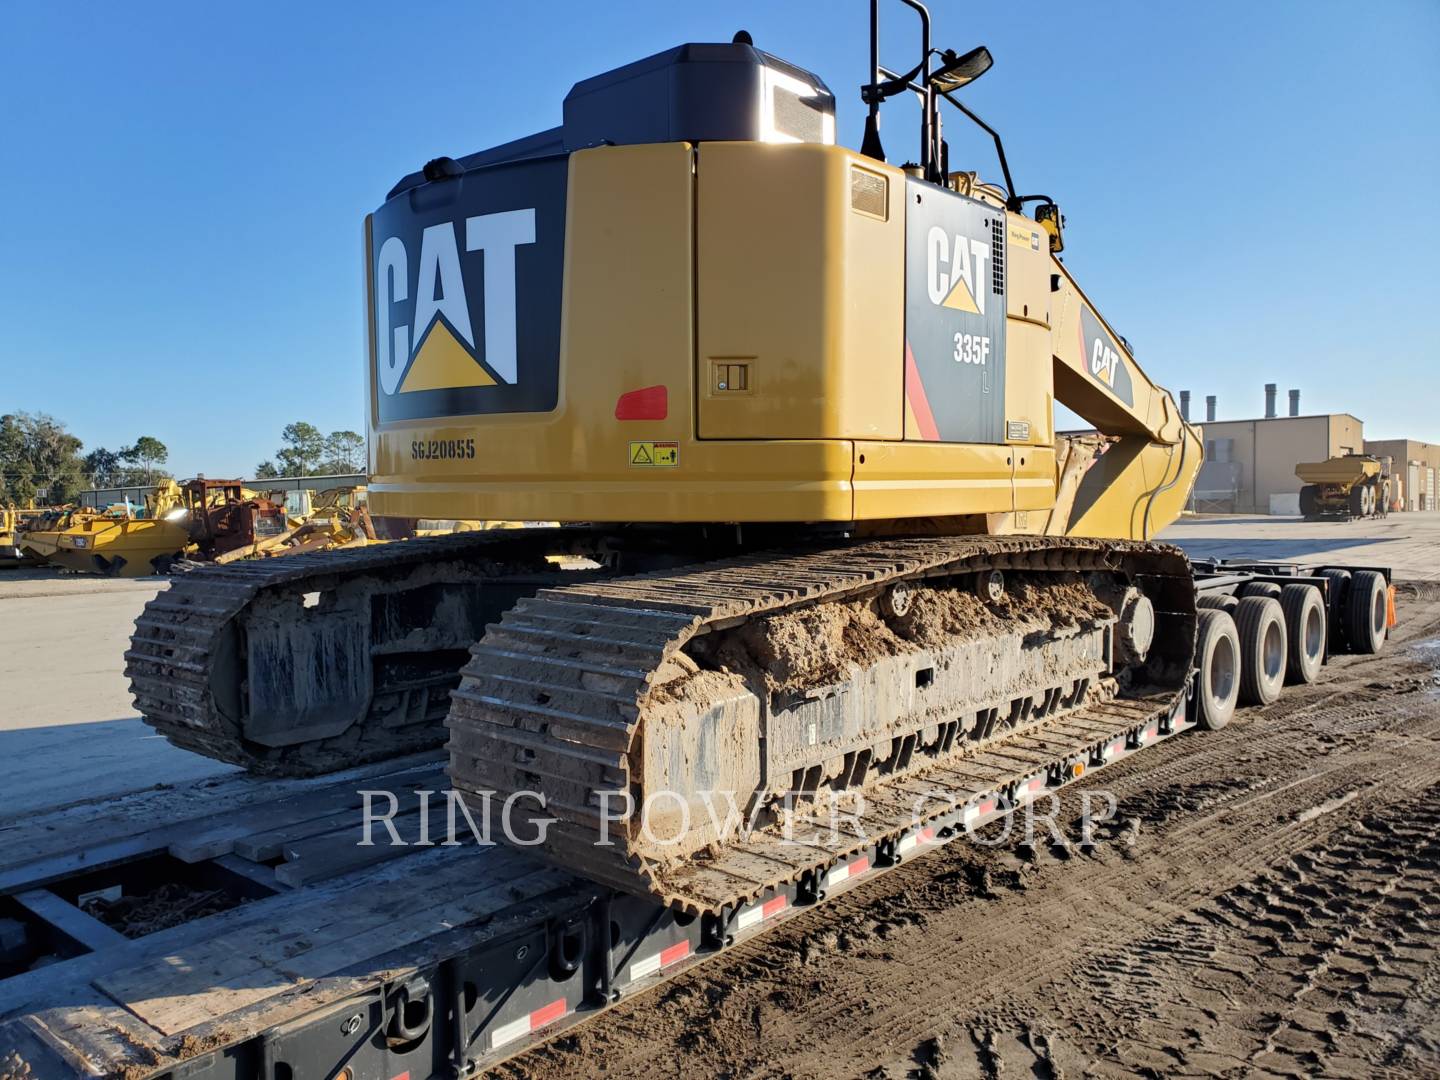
[1250,188]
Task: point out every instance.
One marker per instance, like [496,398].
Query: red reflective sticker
[553,1011]
[651,403]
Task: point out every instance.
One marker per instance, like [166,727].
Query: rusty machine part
[225,518]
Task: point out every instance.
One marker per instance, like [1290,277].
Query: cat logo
[1103,362]
[956,271]
[436,350]
[1103,359]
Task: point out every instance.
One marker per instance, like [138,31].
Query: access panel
[954,317]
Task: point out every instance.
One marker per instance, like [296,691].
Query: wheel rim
[1314,635]
[1222,669]
[1272,649]
[1377,613]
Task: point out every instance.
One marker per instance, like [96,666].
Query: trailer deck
[241,927]
[385,961]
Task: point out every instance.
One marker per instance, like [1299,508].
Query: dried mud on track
[1264,904]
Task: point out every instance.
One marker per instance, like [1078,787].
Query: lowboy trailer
[312,954]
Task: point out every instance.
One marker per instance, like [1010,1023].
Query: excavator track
[317,662]
[590,697]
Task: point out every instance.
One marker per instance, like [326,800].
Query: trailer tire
[1367,611]
[1306,631]
[1336,606]
[1217,658]
[1261,623]
[1259,588]
[1217,602]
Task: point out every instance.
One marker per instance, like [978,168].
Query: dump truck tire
[1217,658]
[1261,623]
[1309,500]
[1305,630]
[1357,501]
[1367,612]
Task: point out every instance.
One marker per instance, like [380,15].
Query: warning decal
[662,454]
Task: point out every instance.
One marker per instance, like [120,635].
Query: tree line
[306,451]
[41,460]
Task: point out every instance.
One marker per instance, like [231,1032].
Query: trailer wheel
[1217,602]
[1217,656]
[1367,611]
[1259,588]
[1336,606]
[1305,629]
[1261,623]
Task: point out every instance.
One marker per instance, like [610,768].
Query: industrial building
[1250,464]
[1416,464]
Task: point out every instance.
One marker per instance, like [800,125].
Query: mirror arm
[1012,201]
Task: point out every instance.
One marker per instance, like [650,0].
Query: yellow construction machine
[794,406]
[1348,486]
[10,525]
[116,541]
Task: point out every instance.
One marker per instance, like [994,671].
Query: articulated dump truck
[1349,486]
[818,544]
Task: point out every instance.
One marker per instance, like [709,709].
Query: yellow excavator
[793,407]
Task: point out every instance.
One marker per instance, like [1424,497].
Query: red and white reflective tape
[1113,749]
[756,913]
[910,841]
[546,1014]
[1029,789]
[663,959]
[1147,736]
[847,871]
[975,811]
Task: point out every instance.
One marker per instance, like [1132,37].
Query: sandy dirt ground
[1263,905]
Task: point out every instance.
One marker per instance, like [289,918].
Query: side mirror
[1049,218]
[957,71]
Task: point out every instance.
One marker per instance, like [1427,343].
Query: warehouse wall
[1417,464]
[1267,452]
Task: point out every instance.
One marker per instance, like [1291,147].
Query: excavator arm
[1134,477]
